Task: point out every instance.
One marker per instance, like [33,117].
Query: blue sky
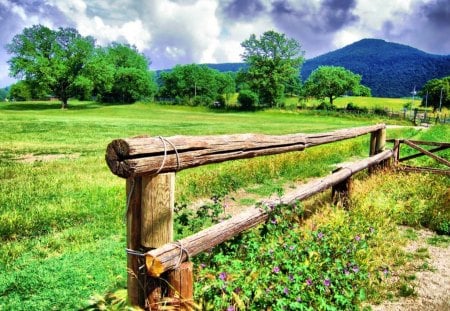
[173,32]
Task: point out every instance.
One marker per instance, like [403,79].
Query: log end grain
[115,154]
[154,266]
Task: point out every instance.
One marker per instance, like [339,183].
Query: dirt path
[432,287]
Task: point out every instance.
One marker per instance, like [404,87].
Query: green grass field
[62,217]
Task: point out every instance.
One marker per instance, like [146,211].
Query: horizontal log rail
[170,255]
[414,144]
[140,156]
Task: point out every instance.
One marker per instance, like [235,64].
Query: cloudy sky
[173,32]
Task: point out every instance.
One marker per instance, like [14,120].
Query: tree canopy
[65,64]
[274,61]
[436,93]
[50,59]
[331,82]
[195,84]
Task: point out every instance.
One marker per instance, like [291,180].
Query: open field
[61,217]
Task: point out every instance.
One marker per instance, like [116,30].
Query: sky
[171,32]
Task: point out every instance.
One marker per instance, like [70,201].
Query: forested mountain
[389,69]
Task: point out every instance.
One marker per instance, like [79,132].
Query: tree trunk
[331,100]
[64,104]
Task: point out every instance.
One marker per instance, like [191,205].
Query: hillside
[389,69]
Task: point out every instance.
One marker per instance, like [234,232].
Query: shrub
[325,106]
[248,99]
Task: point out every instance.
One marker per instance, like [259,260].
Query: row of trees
[64,64]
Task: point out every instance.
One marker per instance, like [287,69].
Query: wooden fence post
[150,202]
[157,203]
[396,151]
[340,193]
[377,145]
[181,288]
[136,295]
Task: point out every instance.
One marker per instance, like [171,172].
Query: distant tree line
[63,64]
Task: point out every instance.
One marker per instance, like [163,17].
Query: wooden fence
[416,145]
[149,165]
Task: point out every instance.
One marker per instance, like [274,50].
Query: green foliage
[284,265]
[195,84]
[248,99]
[273,61]
[436,93]
[326,106]
[20,91]
[331,82]
[64,64]
[354,108]
[131,81]
[50,60]
[189,220]
[362,90]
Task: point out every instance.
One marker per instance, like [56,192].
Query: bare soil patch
[31,158]
[432,286]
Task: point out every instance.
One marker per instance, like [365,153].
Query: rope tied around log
[165,141]
[182,249]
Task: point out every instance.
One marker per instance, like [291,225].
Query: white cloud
[102,28]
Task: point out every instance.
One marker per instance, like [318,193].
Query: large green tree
[51,60]
[274,61]
[131,79]
[197,84]
[332,82]
[436,93]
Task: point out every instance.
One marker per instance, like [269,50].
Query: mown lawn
[62,220]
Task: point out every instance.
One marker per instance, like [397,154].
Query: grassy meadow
[62,211]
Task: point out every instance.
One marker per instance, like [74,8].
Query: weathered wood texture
[422,152]
[156,226]
[171,255]
[152,155]
[136,296]
[181,287]
[158,199]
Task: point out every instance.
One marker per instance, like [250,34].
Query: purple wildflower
[309,282]
[237,290]
[346,272]
[286,291]
[274,221]
[355,269]
[292,247]
[298,299]
[231,308]
[357,238]
[276,269]
[223,276]
[327,282]
[202,265]
[320,235]
[385,271]
[291,277]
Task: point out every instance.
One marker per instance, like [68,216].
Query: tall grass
[62,221]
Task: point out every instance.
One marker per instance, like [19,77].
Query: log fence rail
[149,165]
